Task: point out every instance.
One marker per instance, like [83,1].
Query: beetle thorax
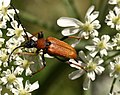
[41,43]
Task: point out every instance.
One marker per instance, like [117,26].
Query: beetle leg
[44,63]
[38,70]
[26,53]
[43,58]
[68,62]
[75,37]
[64,37]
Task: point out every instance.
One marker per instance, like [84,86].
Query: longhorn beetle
[50,45]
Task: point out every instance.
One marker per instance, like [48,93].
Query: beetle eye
[48,43]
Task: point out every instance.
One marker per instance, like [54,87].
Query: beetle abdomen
[60,48]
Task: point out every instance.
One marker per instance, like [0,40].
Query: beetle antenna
[12,53]
[20,22]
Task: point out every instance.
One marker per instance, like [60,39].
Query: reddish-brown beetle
[56,47]
[50,45]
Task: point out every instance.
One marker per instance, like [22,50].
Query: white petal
[112,65]
[99,70]
[94,33]
[76,74]
[10,32]
[14,24]
[112,2]
[4,80]
[118,27]
[9,86]
[90,10]
[1,2]
[34,86]
[19,79]
[48,56]
[28,72]
[6,94]
[96,24]
[75,64]
[2,41]
[103,52]
[91,75]
[98,60]
[83,56]
[117,10]
[92,16]
[68,22]
[27,85]
[11,13]
[70,31]
[75,43]
[15,91]
[19,70]
[93,53]
[96,40]
[6,2]
[105,38]
[0,33]
[90,48]
[86,84]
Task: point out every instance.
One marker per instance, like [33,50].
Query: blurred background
[42,15]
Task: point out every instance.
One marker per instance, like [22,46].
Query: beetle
[50,45]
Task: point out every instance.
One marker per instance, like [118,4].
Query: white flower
[78,73]
[91,67]
[116,41]
[114,2]
[24,65]
[9,77]
[84,29]
[100,45]
[12,43]
[113,18]
[17,31]
[5,12]
[21,90]
[115,67]
[2,24]
[1,39]
[3,57]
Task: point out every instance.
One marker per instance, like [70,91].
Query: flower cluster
[101,51]
[11,74]
[100,48]
[86,29]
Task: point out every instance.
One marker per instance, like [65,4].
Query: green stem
[103,5]
[112,86]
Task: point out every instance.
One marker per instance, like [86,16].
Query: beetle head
[30,44]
